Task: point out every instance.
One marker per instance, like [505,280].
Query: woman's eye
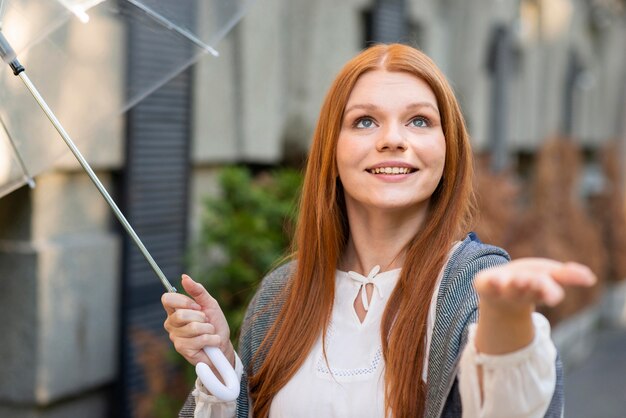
[363,123]
[419,122]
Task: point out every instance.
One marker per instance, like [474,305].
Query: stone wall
[59,264]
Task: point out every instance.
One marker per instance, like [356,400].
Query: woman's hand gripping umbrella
[200,333]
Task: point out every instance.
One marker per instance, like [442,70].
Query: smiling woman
[377,314]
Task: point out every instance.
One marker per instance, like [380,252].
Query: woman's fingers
[189,346]
[492,281]
[192,348]
[182,317]
[192,329]
[535,288]
[189,331]
[532,280]
[574,274]
[173,301]
[568,273]
[545,290]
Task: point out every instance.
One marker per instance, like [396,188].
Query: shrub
[245,232]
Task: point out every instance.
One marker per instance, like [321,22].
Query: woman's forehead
[388,88]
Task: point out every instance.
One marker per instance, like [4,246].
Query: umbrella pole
[8,56]
[94,178]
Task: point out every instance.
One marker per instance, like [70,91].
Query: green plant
[245,231]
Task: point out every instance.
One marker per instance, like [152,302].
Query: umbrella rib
[169,25]
[29,179]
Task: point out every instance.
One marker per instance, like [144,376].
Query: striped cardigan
[457,307]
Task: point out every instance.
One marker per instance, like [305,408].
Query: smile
[391,170]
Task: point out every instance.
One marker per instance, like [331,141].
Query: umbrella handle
[228,392]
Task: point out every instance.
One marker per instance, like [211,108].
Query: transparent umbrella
[80,72]
[65,69]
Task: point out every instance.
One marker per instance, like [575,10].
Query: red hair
[322,233]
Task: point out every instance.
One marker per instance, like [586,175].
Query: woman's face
[391,148]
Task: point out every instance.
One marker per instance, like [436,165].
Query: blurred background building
[80,308]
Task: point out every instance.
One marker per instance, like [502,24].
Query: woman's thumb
[196,291]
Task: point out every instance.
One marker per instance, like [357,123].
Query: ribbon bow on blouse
[364,281]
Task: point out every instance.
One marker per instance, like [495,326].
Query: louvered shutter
[155,196]
[389,21]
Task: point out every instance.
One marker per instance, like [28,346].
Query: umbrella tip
[78,10]
[80,14]
[31,182]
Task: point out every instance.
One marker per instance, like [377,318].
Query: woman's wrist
[504,328]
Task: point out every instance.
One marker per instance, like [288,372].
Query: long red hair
[322,233]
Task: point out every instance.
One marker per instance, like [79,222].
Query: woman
[378,313]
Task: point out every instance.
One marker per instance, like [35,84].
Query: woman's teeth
[391,170]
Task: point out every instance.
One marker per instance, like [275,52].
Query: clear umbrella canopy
[75,87]
[30,21]
[75,53]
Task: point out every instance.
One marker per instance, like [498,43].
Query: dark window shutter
[155,195]
[389,22]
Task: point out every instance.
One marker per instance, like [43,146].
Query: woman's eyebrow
[372,107]
[418,105]
[364,106]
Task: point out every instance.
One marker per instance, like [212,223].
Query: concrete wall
[60,293]
[59,260]
[270,79]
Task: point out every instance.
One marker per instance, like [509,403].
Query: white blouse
[350,381]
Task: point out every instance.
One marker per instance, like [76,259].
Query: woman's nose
[391,138]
